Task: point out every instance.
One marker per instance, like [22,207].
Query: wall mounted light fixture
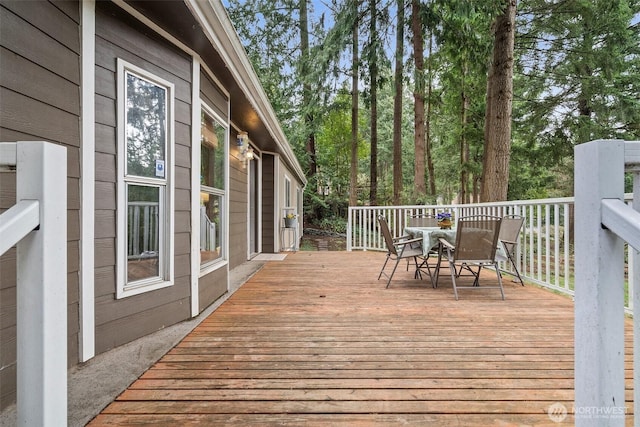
[245,150]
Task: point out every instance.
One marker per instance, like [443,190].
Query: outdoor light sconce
[245,150]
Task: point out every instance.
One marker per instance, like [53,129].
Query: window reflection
[212,153]
[146,128]
[210,227]
[212,188]
[143,238]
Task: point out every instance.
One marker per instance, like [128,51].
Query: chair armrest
[443,242]
[402,238]
[406,242]
[508,242]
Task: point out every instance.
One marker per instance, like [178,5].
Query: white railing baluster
[567,247]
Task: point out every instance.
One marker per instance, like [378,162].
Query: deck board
[317,340]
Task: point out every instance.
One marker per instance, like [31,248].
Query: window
[287,191]
[213,154]
[145,192]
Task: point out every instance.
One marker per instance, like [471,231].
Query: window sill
[143,286]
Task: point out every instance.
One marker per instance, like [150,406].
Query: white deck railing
[37,225]
[603,224]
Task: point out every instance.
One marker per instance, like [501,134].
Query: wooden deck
[317,340]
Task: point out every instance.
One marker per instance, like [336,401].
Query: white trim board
[270,257]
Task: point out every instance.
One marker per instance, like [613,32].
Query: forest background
[394,101]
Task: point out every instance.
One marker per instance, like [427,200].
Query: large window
[213,154]
[145,219]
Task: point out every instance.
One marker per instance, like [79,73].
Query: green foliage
[575,79]
[577,73]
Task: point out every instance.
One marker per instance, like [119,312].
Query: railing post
[599,287]
[634,301]
[42,288]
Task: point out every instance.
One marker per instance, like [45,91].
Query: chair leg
[499,279]
[452,270]
[425,264]
[435,284]
[418,273]
[513,263]
[383,266]
[393,272]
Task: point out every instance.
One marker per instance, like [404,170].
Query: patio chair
[398,248]
[509,232]
[476,245]
[422,221]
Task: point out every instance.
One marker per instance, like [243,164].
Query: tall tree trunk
[306,90]
[373,73]
[419,186]
[397,108]
[497,143]
[430,168]
[464,144]
[353,172]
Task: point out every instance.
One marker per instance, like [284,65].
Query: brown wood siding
[212,286]
[213,96]
[238,227]
[39,42]
[268,203]
[121,321]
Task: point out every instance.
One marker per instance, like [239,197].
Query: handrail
[623,220]
[37,225]
[17,222]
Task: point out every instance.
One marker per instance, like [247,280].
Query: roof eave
[222,34]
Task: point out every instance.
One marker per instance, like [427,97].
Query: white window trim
[167,215]
[224,259]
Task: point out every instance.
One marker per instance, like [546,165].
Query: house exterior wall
[39,92]
[40,41]
[119,321]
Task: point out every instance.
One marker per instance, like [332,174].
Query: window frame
[287,192]
[165,185]
[223,259]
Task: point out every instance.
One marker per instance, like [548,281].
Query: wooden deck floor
[317,340]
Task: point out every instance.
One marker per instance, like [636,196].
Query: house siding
[39,42]
[119,321]
[238,207]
